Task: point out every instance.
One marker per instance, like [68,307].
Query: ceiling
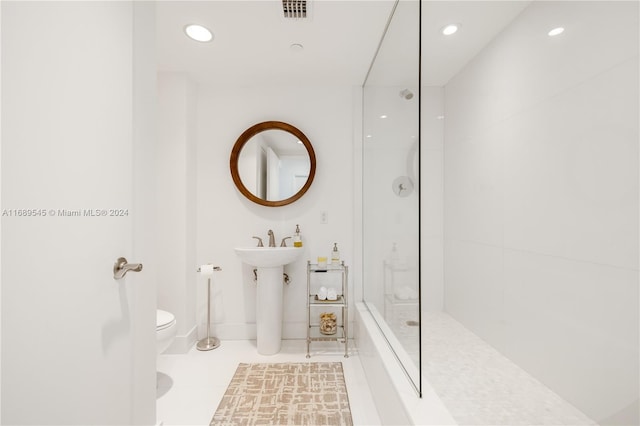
[252,39]
[480,22]
[251,45]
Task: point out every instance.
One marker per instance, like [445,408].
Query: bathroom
[60,320]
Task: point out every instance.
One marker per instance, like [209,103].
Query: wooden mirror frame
[251,132]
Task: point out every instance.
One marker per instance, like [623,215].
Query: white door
[273,176]
[77,345]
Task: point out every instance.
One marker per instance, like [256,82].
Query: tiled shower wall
[541,201]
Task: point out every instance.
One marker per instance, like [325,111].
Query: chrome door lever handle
[121,267]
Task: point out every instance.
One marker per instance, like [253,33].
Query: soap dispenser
[297,238]
[335,255]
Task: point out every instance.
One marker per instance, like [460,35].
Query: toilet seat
[164,320]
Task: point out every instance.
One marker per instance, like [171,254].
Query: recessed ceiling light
[440,117]
[383,116]
[296,47]
[450,29]
[198,33]
[369,136]
[556,31]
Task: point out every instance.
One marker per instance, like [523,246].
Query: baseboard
[244,331]
[182,344]
[239,331]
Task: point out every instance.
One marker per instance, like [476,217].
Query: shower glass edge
[391,189]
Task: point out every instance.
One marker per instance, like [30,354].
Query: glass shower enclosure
[391,190]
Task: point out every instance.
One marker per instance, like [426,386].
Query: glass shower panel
[391,196]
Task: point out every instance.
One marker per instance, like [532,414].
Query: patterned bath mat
[285,394]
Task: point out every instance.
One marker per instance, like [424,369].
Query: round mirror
[273,163]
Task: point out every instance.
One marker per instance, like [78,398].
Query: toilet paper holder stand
[208,342]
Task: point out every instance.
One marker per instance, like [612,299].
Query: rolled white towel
[332,294]
[322,293]
[405,293]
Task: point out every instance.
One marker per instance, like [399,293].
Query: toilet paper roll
[206,270]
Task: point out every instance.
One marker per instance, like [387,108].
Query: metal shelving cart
[314,304]
[399,298]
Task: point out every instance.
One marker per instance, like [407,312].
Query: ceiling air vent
[294,8]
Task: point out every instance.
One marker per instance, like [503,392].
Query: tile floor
[477,384]
[480,386]
[191,385]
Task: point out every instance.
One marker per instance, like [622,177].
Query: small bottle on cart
[335,255]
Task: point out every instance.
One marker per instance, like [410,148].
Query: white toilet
[165,330]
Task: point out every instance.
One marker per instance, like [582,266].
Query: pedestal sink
[270,263]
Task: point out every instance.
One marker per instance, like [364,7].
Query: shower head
[406,94]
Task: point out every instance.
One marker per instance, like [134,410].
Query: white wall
[225,219]
[176,205]
[541,201]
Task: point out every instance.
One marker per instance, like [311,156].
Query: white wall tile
[432,118]
[431,197]
[473,194]
[432,273]
[571,172]
[474,288]
[574,325]
[541,200]
[524,66]
[431,192]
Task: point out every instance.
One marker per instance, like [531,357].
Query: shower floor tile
[191,385]
[480,386]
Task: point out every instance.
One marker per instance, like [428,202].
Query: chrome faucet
[272,238]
